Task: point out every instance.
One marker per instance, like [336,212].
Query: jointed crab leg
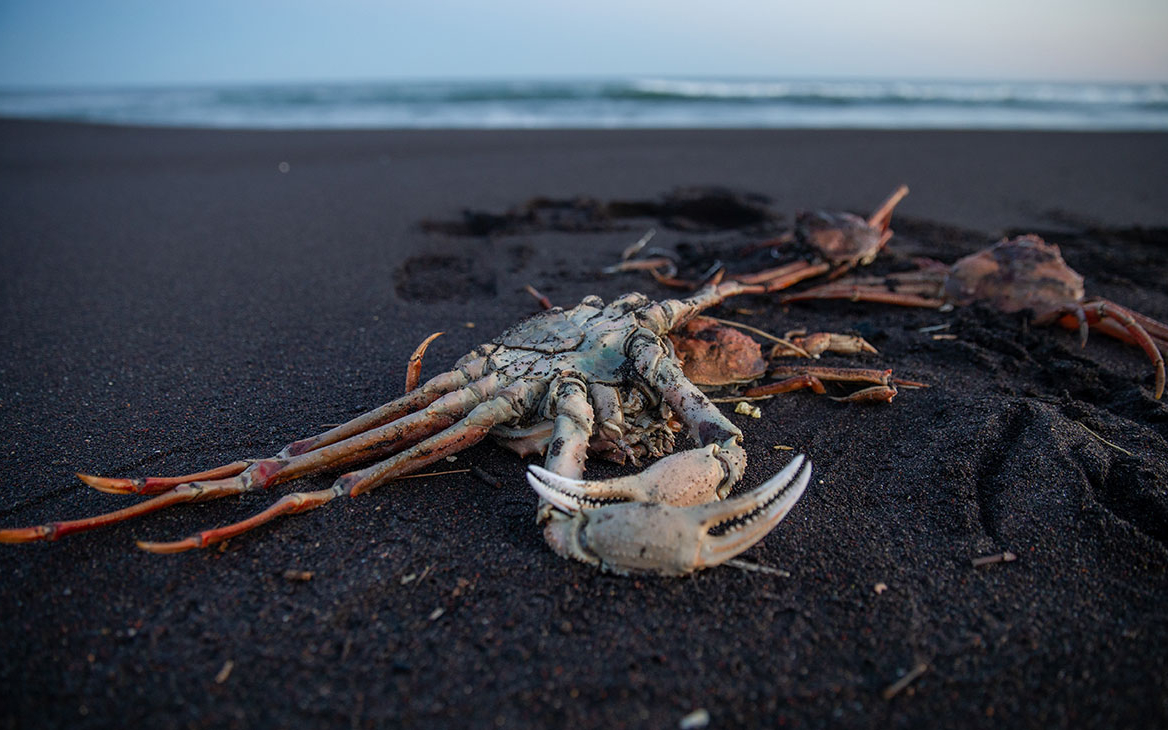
[664,317]
[797,377]
[573,426]
[414,366]
[411,402]
[882,217]
[469,369]
[782,277]
[157,485]
[910,291]
[473,428]
[1100,310]
[706,423]
[197,492]
[264,473]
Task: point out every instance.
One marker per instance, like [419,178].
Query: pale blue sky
[134,42]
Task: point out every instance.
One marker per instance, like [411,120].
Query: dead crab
[596,377]
[831,243]
[1023,273]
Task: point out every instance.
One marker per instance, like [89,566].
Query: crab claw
[661,538]
[693,476]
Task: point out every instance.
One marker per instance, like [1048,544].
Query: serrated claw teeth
[559,491]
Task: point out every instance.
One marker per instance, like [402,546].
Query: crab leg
[812,377]
[909,293]
[197,492]
[157,485]
[265,473]
[508,405]
[572,431]
[1114,329]
[411,402]
[664,317]
[1157,330]
[1100,310]
[782,277]
[706,423]
[573,427]
[609,424]
[881,218]
[469,369]
[414,366]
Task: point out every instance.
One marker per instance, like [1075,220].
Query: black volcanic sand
[172,301]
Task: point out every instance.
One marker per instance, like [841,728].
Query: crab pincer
[658,537]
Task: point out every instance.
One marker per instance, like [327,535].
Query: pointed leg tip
[109,485]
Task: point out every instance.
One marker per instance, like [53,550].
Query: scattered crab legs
[716,353]
[1023,273]
[831,243]
[597,378]
[834,244]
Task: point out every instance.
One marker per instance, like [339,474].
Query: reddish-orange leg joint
[1101,310]
[795,377]
[157,485]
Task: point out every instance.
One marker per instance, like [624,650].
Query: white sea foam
[647,102]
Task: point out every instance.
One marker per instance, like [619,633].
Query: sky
[117,43]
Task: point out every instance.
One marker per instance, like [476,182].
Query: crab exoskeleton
[594,378]
[1013,275]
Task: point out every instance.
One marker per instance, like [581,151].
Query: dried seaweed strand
[1114,446]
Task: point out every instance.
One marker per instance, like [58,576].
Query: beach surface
[178,299]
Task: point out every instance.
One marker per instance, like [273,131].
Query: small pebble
[699,718]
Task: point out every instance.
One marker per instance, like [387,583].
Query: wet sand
[177,299]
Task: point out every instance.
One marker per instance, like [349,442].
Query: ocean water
[632,103]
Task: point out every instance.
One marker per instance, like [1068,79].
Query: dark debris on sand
[684,209]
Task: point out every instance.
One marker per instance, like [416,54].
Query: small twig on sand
[934,328]
[756,568]
[740,398]
[1114,446]
[486,477]
[898,686]
[225,672]
[1004,557]
[432,474]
